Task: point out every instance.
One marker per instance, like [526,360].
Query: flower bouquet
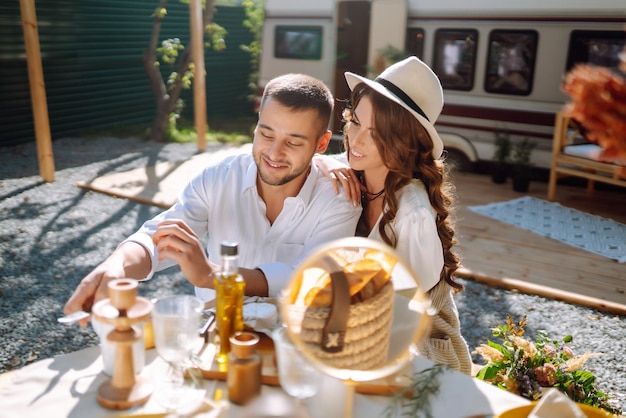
[525,367]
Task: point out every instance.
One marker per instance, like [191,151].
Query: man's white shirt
[222,204]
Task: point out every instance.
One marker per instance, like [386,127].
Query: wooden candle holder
[123,309]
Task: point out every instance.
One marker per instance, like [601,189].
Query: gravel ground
[53,234]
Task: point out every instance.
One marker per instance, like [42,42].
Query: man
[274,203]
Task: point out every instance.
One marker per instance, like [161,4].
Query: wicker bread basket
[354,309]
[367,334]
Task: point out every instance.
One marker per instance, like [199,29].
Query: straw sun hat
[415,87]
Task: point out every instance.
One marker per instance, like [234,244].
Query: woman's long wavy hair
[406,148]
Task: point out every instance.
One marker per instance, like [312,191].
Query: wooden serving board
[211,370]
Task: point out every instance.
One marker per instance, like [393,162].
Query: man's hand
[92,288]
[130,260]
[176,241]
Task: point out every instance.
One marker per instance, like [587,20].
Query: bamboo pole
[37,90]
[199,81]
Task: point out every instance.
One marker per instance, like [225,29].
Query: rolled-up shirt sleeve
[278,276]
[143,237]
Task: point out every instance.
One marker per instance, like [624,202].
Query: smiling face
[363,154]
[285,141]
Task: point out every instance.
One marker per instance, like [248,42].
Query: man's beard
[280,181]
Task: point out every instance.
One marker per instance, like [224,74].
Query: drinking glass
[297,376]
[176,322]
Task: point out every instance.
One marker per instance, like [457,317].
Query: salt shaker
[244,368]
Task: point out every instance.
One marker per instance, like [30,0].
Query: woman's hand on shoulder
[340,173]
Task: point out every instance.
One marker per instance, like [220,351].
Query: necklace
[373,196]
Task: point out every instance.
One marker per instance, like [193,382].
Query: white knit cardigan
[445,343]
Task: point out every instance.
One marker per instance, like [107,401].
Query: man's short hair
[301,92]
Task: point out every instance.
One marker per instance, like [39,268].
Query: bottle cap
[229,248]
[243,344]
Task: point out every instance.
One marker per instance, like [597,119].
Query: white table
[66,386]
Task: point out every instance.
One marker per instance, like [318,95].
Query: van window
[511,61]
[298,42]
[454,58]
[415,42]
[596,47]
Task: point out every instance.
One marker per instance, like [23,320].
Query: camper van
[501,63]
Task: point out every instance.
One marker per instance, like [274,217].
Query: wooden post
[37,90]
[199,81]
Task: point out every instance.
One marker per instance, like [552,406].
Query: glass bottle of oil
[230,288]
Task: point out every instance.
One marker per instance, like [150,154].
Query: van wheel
[458,161]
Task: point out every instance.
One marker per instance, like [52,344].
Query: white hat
[415,87]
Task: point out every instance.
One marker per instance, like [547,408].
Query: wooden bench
[572,158]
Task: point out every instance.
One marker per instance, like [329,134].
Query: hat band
[401,95]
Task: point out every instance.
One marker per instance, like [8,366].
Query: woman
[394,151]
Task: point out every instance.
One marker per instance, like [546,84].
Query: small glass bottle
[244,368]
[230,288]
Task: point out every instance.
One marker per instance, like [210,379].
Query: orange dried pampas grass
[599,105]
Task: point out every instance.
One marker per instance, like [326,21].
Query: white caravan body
[501,63]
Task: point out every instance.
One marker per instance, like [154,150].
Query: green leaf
[488,372]
[424,385]
[584,376]
[505,351]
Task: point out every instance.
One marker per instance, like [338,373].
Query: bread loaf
[366,277]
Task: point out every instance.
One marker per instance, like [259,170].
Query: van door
[353,28]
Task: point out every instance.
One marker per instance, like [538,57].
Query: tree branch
[149,58]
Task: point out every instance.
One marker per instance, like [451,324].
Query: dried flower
[549,350]
[524,367]
[529,348]
[489,353]
[545,375]
[577,363]
[598,102]
[567,352]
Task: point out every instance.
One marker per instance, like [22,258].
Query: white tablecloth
[66,386]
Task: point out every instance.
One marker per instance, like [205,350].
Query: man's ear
[323,142]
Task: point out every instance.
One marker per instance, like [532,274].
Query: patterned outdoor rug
[579,229]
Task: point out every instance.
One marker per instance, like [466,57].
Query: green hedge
[91,54]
